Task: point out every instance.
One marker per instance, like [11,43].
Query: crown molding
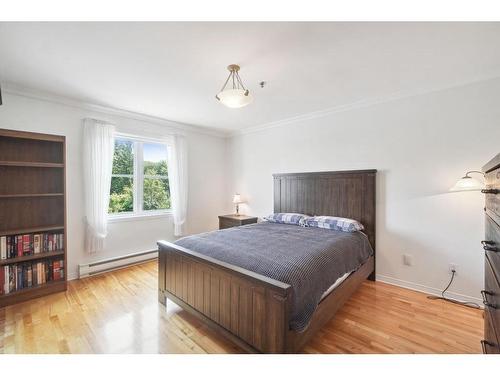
[358,105]
[26,92]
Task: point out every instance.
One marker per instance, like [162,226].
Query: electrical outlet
[453,267]
[407,260]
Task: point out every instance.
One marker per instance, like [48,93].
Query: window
[156,191]
[122,178]
[139,181]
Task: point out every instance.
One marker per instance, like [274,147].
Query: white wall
[207,175]
[420,146]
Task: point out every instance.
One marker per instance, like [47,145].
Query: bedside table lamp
[237,200]
[467,183]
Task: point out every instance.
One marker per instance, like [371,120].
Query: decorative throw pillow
[287,218]
[336,223]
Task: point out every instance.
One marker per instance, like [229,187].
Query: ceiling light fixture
[234,94]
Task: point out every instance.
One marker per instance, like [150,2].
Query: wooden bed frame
[253,310]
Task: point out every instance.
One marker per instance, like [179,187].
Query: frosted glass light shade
[237,199]
[235,98]
[467,184]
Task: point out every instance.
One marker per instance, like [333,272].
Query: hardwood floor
[118,312]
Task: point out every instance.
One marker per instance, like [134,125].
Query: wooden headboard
[348,194]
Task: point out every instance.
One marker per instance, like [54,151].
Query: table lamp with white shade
[237,200]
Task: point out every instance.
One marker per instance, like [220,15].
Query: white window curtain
[98,148]
[178,178]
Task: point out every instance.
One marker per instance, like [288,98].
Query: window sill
[142,216]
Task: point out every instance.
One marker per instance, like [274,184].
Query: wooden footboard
[250,309]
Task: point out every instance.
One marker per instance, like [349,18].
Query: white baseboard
[105,265]
[427,289]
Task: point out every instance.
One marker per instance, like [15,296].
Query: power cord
[466,304]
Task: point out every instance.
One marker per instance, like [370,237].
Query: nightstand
[228,221]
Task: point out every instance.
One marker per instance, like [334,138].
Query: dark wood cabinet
[228,221]
[491,247]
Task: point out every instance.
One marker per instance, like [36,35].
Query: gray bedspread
[308,259]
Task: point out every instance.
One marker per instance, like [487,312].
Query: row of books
[15,277]
[29,244]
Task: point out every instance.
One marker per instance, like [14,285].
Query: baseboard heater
[105,265]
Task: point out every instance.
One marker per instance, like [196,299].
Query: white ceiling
[174,70]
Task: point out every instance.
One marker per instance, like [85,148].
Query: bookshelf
[32,208]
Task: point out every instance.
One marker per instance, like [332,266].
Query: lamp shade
[467,183]
[235,98]
[237,199]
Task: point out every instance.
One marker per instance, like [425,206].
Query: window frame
[138,176]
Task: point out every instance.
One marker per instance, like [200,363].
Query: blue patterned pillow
[336,223]
[287,218]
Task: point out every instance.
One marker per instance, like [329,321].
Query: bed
[262,311]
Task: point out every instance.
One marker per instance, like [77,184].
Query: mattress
[335,285]
[310,260]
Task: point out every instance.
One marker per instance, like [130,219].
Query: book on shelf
[26,244]
[29,244]
[3,248]
[19,245]
[15,277]
[36,243]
